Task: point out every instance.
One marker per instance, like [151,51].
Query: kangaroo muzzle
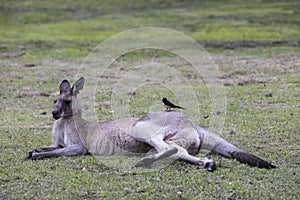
[56,114]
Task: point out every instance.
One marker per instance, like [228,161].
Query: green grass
[255,45]
[68,30]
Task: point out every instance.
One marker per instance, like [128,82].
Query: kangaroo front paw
[30,155]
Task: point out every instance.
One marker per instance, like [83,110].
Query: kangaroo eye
[55,101]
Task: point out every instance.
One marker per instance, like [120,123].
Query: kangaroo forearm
[45,149]
[67,151]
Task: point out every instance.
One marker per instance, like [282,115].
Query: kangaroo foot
[210,166]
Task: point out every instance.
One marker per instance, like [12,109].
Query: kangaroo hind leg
[148,160]
[172,150]
[162,150]
[183,155]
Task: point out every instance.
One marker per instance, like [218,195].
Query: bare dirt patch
[29,92]
[250,44]
[246,70]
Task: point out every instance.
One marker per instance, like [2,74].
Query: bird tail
[180,107]
[224,148]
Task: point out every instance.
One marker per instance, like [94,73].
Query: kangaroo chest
[64,133]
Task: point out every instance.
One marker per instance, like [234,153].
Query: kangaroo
[157,135]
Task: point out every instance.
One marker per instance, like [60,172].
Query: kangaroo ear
[64,87]
[78,85]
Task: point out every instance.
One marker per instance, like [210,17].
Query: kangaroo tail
[224,148]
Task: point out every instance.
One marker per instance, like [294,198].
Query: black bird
[170,105]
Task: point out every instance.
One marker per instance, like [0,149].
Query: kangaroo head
[66,103]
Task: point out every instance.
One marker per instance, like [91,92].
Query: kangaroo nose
[55,114]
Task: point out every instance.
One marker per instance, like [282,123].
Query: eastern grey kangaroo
[165,134]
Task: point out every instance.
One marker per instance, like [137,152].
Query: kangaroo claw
[28,156]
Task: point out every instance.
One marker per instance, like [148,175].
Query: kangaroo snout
[55,114]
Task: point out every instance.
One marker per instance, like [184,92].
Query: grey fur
[167,134]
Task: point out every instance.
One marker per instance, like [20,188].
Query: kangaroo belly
[113,137]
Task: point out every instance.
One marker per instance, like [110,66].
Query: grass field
[255,46]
